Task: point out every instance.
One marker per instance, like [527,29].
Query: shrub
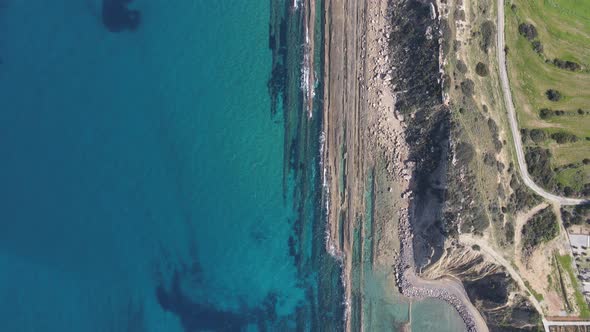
[509,232]
[489,159]
[500,166]
[464,152]
[498,145]
[553,95]
[566,64]
[493,127]
[528,31]
[459,14]
[575,216]
[477,223]
[545,113]
[524,134]
[537,135]
[539,166]
[521,197]
[461,66]
[481,69]
[541,228]
[537,46]
[487,35]
[467,87]
[563,137]
[445,31]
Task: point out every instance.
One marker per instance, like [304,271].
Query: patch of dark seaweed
[117,17]
[196,316]
[200,315]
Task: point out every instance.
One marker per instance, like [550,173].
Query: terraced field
[548,55]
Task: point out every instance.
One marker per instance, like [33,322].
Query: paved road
[514,124]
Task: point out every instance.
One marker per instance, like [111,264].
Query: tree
[528,31]
[537,135]
[563,137]
[541,228]
[553,95]
[467,87]
[537,46]
[481,69]
[487,35]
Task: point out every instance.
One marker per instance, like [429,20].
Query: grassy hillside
[553,55]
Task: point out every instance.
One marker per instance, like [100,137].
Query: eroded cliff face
[414,48]
[420,45]
[488,286]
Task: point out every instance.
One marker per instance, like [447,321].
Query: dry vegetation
[486,196]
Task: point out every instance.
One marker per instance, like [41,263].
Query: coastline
[365,134]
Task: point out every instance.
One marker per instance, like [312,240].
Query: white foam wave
[307,86]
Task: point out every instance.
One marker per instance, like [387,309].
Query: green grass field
[563,28]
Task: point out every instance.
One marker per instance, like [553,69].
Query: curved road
[524,173]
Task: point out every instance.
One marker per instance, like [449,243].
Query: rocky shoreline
[427,118]
[369,82]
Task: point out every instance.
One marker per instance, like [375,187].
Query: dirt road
[488,251]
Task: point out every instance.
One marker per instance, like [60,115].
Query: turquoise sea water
[146,184]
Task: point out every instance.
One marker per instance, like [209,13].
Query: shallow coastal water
[435,315]
[387,310]
[146,184]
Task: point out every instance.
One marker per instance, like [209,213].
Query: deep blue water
[145,184]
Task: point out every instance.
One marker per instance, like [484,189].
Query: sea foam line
[309,93]
[307,86]
[330,246]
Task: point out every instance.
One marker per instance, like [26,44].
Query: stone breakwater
[409,283]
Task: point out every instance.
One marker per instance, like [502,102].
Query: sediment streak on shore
[344,159]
